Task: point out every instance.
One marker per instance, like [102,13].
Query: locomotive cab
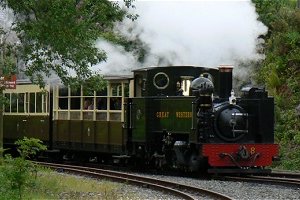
[161,112]
[168,81]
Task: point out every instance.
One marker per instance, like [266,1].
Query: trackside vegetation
[22,179]
[280,72]
[52,185]
[18,174]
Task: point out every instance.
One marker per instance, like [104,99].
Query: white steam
[118,59]
[6,24]
[203,33]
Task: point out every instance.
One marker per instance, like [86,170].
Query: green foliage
[1,153]
[89,85]
[290,154]
[8,53]
[268,10]
[287,128]
[280,71]
[29,147]
[59,36]
[18,174]
[7,61]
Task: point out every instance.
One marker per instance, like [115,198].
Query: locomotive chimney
[225,80]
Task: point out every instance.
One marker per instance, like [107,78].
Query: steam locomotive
[183,117]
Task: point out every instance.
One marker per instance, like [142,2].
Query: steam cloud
[202,33]
[6,23]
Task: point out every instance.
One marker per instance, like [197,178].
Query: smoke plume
[202,33]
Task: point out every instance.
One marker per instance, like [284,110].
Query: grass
[53,185]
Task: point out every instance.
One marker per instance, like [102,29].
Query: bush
[29,147]
[17,174]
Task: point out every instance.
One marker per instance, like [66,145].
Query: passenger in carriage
[87,104]
[91,106]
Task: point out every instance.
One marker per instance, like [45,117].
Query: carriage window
[88,103]
[14,102]
[39,102]
[45,102]
[116,89]
[116,103]
[75,99]
[101,103]
[63,92]
[102,92]
[63,103]
[63,98]
[75,92]
[75,103]
[32,102]
[21,103]
[7,106]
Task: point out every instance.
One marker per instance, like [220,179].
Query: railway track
[179,190]
[275,178]
[284,174]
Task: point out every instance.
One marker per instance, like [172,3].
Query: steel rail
[265,179]
[285,174]
[282,180]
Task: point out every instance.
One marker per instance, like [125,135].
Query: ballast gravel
[234,190]
[238,190]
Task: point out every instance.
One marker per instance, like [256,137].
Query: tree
[280,71]
[59,36]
